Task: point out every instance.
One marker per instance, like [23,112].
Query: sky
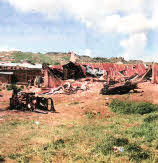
[97,28]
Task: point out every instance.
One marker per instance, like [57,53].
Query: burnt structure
[11,73]
[73,71]
[52,77]
[120,88]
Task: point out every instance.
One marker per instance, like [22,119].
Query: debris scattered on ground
[30,102]
[120,88]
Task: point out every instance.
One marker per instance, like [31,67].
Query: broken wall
[155,73]
[51,80]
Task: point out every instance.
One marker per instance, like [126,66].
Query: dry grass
[83,130]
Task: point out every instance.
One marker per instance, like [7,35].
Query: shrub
[136,153]
[151,118]
[66,58]
[11,87]
[147,130]
[132,150]
[90,114]
[56,63]
[21,87]
[58,144]
[2,158]
[131,107]
[107,144]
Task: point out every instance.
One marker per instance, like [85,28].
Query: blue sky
[93,28]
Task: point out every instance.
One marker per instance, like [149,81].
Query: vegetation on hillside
[34,58]
[55,58]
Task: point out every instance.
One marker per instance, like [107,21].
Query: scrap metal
[119,88]
[30,102]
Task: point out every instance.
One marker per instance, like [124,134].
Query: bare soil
[74,106]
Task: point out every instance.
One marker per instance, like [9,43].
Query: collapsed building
[55,76]
[16,73]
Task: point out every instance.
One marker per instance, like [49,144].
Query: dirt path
[71,107]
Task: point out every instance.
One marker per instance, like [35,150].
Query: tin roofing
[26,65]
[6,73]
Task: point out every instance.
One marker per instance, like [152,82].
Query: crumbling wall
[5,79]
[51,80]
[155,73]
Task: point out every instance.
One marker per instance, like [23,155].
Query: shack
[17,73]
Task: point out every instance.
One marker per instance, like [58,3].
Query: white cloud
[101,15]
[88,52]
[154,8]
[7,49]
[134,46]
[133,18]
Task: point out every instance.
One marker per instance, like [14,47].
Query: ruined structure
[155,73]
[54,76]
[51,77]
[73,71]
[19,73]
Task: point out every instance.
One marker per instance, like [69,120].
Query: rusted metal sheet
[57,67]
[116,71]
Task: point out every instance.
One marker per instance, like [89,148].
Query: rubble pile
[119,88]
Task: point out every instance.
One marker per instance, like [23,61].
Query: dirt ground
[72,107]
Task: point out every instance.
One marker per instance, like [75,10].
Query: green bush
[128,107]
[148,131]
[132,150]
[11,87]
[56,63]
[66,58]
[2,158]
[90,114]
[58,144]
[151,118]
[21,87]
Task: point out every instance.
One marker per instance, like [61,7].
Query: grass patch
[90,114]
[131,107]
[134,152]
[87,140]
[151,118]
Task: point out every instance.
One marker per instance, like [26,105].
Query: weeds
[151,118]
[90,140]
[2,158]
[133,151]
[128,107]
[148,131]
[14,86]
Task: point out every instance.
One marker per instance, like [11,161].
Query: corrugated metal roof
[26,65]
[6,73]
